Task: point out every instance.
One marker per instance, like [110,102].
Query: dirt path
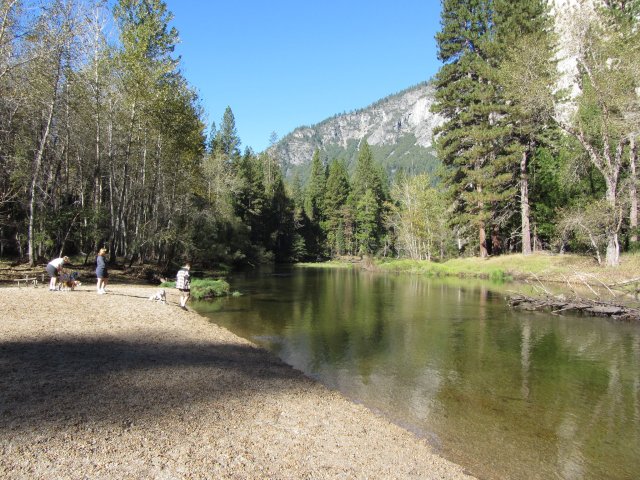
[116,386]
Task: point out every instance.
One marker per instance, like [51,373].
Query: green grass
[500,268]
[205,288]
[329,264]
[544,266]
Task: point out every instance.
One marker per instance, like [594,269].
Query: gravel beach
[118,386]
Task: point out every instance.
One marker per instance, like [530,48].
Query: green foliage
[419,218]
[606,118]
[335,201]
[111,150]
[477,173]
[315,191]
[202,288]
[498,276]
[227,140]
[403,157]
[367,215]
[369,192]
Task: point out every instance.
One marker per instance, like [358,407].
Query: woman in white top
[54,267]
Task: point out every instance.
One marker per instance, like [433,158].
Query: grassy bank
[546,267]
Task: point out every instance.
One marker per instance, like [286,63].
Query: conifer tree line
[104,143]
[529,164]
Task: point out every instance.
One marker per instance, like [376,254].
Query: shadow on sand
[67,382]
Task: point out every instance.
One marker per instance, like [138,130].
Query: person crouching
[54,267]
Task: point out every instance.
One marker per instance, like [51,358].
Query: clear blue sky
[282,64]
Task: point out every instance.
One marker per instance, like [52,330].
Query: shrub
[205,288]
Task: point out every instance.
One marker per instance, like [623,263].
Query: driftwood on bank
[559,304]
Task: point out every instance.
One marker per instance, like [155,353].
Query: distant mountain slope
[399,128]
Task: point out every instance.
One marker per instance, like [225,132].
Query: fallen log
[558,305]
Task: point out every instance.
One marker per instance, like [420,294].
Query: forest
[103,143]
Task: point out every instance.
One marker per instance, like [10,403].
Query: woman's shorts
[52,271]
[102,274]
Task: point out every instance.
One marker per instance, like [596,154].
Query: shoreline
[117,386]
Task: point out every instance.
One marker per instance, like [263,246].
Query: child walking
[183,283]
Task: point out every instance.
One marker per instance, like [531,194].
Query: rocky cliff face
[571,17]
[404,118]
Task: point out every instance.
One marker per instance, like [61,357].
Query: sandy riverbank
[116,386]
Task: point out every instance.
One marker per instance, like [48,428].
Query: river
[505,393]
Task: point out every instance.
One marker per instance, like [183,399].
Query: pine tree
[337,193]
[227,138]
[528,76]
[211,138]
[468,143]
[367,219]
[281,216]
[367,175]
[251,202]
[314,207]
[368,180]
[315,192]
[149,76]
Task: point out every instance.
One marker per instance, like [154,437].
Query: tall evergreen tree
[368,180]
[468,143]
[314,206]
[227,138]
[315,191]
[367,222]
[527,76]
[367,175]
[212,137]
[337,193]
[149,75]
[282,229]
[250,198]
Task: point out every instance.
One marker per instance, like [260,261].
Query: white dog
[159,296]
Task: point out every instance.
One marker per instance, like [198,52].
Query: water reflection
[507,394]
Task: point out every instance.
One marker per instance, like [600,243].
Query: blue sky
[283,64]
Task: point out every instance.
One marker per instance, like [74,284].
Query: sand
[117,386]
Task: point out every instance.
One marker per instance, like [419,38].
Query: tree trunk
[484,252]
[34,182]
[36,172]
[613,250]
[524,206]
[613,246]
[633,192]
[610,169]
[118,233]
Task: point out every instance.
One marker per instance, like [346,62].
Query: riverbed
[119,386]
[505,393]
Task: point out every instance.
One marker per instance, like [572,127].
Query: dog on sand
[159,296]
[68,282]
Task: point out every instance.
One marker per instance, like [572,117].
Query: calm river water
[507,394]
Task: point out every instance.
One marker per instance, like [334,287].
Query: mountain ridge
[399,129]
